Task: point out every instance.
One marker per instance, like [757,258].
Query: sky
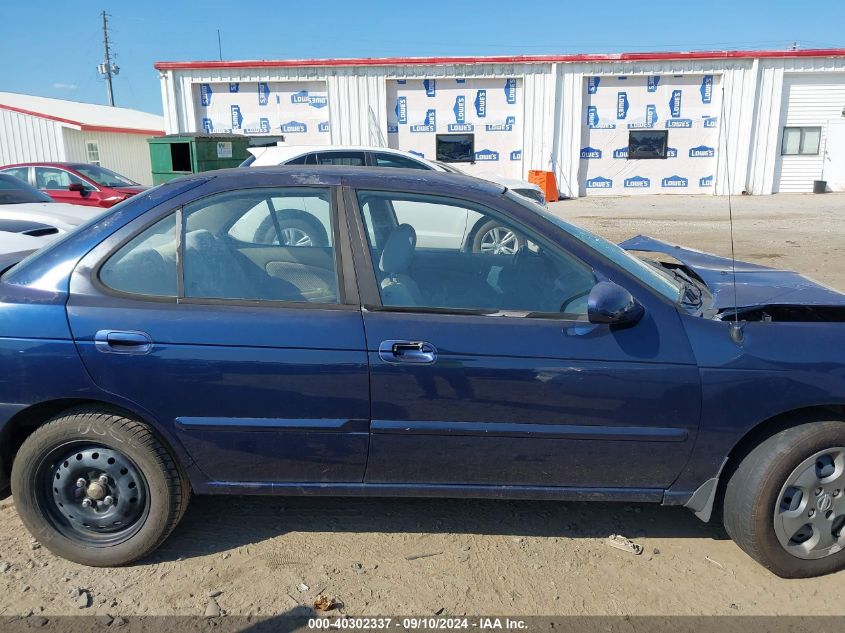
[52,47]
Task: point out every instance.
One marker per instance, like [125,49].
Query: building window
[456,148]
[647,144]
[93,151]
[801,141]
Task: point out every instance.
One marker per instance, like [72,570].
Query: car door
[55,182]
[485,370]
[251,352]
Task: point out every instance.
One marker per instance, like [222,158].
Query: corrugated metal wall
[808,100]
[127,154]
[750,123]
[25,138]
[769,112]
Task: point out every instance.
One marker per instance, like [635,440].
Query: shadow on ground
[217,524]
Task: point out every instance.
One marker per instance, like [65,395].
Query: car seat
[397,288]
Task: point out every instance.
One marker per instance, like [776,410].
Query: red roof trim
[83,126]
[503,59]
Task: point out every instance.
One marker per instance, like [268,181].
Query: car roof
[285,151]
[390,178]
[43,164]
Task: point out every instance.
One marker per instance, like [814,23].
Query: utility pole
[219,46]
[108,68]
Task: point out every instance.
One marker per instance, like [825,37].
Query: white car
[26,211]
[486,237]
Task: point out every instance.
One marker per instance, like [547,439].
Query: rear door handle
[417,352]
[123,342]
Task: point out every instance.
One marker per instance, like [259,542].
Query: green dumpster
[175,155]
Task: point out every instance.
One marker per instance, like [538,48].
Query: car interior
[533,280]
[233,250]
[221,263]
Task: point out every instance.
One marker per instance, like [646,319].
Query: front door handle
[123,342]
[417,352]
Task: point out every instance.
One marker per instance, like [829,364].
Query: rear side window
[146,265]
[391,160]
[255,245]
[349,159]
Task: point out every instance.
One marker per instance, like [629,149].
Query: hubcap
[810,514]
[499,241]
[93,493]
[295,237]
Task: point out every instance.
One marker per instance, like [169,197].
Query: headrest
[399,250]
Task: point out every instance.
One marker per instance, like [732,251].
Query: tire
[759,500]
[149,492]
[295,232]
[484,242]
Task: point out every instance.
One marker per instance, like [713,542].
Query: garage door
[297,110]
[655,134]
[811,103]
[475,123]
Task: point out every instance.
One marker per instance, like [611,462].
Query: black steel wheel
[98,488]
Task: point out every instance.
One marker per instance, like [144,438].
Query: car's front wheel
[492,238]
[785,503]
[98,488]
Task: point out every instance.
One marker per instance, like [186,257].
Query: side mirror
[78,187]
[612,304]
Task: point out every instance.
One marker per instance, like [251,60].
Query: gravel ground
[417,557]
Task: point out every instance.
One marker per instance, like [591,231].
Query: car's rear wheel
[98,488]
[785,503]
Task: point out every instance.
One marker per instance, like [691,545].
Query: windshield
[103,176]
[16,191]
[663,284]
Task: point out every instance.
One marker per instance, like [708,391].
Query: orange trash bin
[546,181]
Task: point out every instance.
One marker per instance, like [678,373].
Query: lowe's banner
[673,116]
[299,110]
[491,110]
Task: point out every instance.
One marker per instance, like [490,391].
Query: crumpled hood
[755,285]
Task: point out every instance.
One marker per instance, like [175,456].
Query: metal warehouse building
[746,121]
[37,129]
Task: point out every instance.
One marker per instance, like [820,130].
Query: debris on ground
[324,603]
[625,544]
[81,597]
[714,562]
[212,609]
[302,587]
[213,593]
[426,555]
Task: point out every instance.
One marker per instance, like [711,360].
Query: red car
[76,183]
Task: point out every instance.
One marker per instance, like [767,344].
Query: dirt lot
[417,557]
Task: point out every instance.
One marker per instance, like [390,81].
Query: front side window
[801,141]
[53,178]
[233,246]
[442,253]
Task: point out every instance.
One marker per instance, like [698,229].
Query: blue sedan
[181,344]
